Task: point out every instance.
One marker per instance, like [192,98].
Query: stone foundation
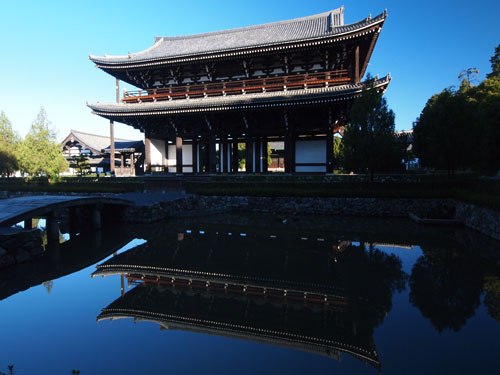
[19,246]
[374,207]
[481,219]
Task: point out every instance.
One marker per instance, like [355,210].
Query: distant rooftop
[98,143]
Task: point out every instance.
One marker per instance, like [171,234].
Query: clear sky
[44,48]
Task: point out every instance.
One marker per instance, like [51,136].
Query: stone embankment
[481,219]
[373,207]
[18,246]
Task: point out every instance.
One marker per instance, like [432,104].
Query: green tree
[8,163]
[442,132]
[495,64]
[338,152]
[369,139]
[484,107]
[492,296]
[460,129]
[9,145]
[468,75]
[80,163]
[40,153]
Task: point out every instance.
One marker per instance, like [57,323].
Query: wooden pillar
[178,155]
[225,155]
[248,154]
[194,150]
[289,152]
[112,133]
[234,156]
[96,218]
[289,145]
[258,156]
[74,221]
[132,162]
[112,147]
[264,155]
[122,160]
[329,149]
[28,224]
[52,228]
[356,65]
[147,150]
[211,155]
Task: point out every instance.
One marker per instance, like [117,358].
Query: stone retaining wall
[481,219]
[20,246]
[376,207]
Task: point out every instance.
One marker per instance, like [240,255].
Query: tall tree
[40,153]
[9,145]
[495,64]
[369,139]
[440,133]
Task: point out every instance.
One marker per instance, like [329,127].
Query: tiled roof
[300,29]
[257,100]
[97,143]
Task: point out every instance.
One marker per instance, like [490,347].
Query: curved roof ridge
[77,132]
[321,25]
[259,26]
[157,42]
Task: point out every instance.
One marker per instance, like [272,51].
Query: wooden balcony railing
[283,83]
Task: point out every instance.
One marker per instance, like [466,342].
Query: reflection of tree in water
[445,285]
[492,297]
[49,284]
[378,275]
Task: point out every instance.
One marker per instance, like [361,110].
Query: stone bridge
[15,210]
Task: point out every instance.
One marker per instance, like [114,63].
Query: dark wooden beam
[234,156]
[248,154]
[289,145]
[178,155]
[225,155]
[195,155]
[112,147]
[329,142]
[211,155]
[356,64]
[264,156]
[147,151]
[258,156]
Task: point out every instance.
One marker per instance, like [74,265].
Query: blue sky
[45,47]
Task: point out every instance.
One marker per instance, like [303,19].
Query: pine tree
[9,145]
[369,139]
[40,154]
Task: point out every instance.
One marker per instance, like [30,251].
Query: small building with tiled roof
[201,95]
[96,148]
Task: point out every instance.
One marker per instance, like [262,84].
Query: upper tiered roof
[238,41]
[237,102]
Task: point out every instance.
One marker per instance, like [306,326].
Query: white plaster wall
[171,158]
[304,168]
[310,151]
[187,158]
[157,152]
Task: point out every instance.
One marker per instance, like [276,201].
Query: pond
[257,294]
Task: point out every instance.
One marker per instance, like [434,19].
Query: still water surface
[257,294]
